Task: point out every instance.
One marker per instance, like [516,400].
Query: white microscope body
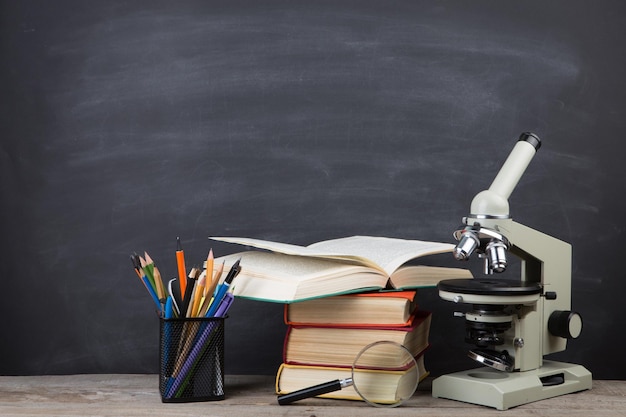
[513,323]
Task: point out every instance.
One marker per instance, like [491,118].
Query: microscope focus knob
[566,324]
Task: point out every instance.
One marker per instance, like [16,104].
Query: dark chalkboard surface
[127,124]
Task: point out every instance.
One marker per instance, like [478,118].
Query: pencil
[147,271]
[180,262]
[135,259]
[209,289]
[198,295]
[158,281]
[209,265]
[208,292]
[153,271]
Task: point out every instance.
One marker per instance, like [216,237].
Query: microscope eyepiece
[530,138]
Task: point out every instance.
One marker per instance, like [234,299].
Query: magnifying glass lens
[385,374]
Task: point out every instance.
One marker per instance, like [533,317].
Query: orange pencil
[180,261]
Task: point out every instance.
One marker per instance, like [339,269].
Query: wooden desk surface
[137,395]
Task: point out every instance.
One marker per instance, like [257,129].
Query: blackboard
[127,124]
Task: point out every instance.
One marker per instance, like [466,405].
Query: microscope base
[501,390]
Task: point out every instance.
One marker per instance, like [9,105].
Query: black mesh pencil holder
[191,359]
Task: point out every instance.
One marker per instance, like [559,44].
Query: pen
[174,292]
[222,288]
[169,308]
[225,305]
[191,285]
[180,262]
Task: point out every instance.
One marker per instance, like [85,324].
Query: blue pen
[222,289]
[169,308]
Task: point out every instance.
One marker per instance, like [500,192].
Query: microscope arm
[548,261]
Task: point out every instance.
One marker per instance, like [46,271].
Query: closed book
[339,346]
[373,309]
[382,387]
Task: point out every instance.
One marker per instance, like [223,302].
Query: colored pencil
[182,270]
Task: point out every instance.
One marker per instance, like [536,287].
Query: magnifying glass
[384,374]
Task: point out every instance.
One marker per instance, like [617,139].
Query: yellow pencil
[198,294]
[158,282]
[209,265]
[209,289]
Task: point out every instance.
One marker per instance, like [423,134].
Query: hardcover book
[287,273]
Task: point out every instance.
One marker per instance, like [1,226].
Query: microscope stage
[498,287]
[489,291]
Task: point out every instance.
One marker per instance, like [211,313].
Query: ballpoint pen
[187,297]
[227,301]
[222,289]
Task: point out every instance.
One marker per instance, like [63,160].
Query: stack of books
[341,295]
[324,336]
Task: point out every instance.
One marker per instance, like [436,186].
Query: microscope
[512,323]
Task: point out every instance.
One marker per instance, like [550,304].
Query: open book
[291,273]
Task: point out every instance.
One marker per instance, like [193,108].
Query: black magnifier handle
[314,391]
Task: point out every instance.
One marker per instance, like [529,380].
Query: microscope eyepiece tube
[515,165]
[494,201]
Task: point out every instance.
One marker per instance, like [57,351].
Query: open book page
[388,253]
[285,248]
[284,278]
[421,276]
[382,253]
